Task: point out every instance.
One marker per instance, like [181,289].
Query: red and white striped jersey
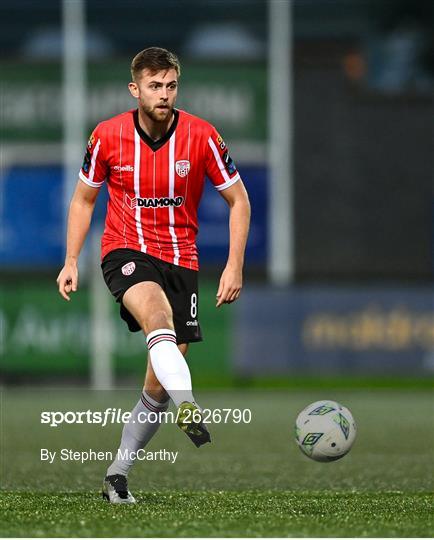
[155,186]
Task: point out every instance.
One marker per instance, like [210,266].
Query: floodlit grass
[222,513]
[251,481]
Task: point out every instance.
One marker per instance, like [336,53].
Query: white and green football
[325,431]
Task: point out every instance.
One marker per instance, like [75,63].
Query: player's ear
[134,89]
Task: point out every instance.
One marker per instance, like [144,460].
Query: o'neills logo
[153,202]
[124,168]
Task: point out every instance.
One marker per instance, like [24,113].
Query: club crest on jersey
[128,269]
[182,167]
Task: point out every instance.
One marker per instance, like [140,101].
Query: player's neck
[154,130]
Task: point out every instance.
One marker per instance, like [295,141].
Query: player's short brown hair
[154,59]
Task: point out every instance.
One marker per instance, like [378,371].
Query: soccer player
[154,160]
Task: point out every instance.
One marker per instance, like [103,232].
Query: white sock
[169,365]
[137,433]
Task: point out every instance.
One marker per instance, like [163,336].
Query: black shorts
[123,268]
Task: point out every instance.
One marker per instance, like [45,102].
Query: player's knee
[159,319]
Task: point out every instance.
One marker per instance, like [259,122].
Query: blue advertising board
[213,237]
[32,218]
[334,330]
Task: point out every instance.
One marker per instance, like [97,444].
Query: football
[325,431]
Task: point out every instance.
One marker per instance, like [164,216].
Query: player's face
[156,93]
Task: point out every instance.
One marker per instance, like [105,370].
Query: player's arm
[79,218]
[231,280]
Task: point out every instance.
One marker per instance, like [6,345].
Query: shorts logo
[182,167]
[128,269]
[156,202]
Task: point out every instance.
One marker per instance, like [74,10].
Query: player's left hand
[230,285]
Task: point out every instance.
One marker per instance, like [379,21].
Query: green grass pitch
[251,481]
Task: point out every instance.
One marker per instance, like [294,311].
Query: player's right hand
[67,280]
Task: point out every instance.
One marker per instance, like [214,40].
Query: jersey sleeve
[94,170]
[220,168]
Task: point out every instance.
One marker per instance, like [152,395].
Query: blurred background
[327,108]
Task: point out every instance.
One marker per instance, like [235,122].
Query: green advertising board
[42,335]
[230,96]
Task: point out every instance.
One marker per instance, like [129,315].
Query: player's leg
[136,434]
[145,306]
[156,316]
[152,385]
[142,425]
[181,287]
[189,417]
[149,305]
